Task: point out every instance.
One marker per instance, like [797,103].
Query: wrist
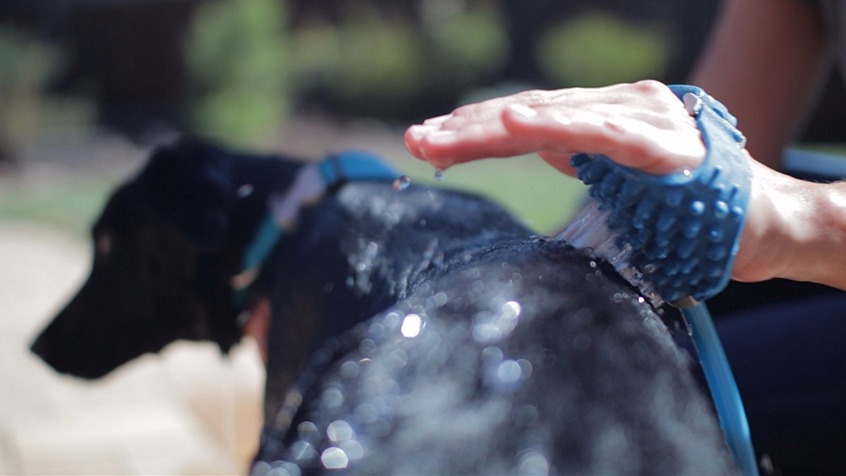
[826,235]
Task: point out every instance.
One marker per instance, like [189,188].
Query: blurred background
[88,87]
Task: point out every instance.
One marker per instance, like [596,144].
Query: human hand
[641,125]
[794,229]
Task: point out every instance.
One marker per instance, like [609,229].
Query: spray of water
[588,231]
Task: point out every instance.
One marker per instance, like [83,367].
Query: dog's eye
[103,244]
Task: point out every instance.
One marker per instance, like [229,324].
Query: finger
[411,139]
[447,147]
[632,140]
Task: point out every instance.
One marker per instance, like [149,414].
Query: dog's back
[522,357]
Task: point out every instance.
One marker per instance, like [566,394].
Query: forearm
[765,61]
[826,238]
[797,231]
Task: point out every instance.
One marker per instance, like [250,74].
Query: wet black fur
[583,379]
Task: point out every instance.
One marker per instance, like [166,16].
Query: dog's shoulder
[529,353]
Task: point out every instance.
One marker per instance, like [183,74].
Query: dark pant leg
[789,360]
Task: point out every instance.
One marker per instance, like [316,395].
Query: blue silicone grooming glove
[675,237]
[682,229]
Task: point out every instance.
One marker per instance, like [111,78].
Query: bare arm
[765,61]
[794,229]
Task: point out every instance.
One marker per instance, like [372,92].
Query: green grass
[71,202]
[533,191]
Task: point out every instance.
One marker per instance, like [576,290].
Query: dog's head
[165,247]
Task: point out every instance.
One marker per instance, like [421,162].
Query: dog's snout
[41,347]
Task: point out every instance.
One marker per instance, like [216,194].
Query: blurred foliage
[70,202]
[364,62]
[597,48]
[238,62]
[464,47]
[526,186]
[27,65]
[373,64]
[248,69]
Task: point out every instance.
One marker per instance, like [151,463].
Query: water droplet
[353,449]
[339,430]
[334,458]
[533,462]
[332,397]
[509,371]
[376,330]
[439,175]
[402,183]
[307,431]
[525,368]
[245,190]
[302,451]
[411,326]
[491,327]
[492,354]
[349,369]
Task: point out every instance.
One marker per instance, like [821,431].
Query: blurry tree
[598,48]
[27,66]
[465,46]
[237,59]
[365,61]
[370,60]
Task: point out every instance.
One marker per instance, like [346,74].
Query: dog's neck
[311,184]
[268,197]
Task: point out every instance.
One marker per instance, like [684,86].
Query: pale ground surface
[187,411]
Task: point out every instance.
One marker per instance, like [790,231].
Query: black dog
[420,331]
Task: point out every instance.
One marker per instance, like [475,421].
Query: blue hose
[724,390]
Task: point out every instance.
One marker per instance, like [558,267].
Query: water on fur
[588,231]
[381,365]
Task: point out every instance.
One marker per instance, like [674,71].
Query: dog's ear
[189,184]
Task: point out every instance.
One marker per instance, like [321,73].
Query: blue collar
[334,170]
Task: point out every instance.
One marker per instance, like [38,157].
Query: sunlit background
[88,87]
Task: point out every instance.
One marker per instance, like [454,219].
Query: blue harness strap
[335,169]
[355,166]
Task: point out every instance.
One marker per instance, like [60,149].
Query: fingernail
[422,130]
[415,132]
[440,136]
[436,121]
